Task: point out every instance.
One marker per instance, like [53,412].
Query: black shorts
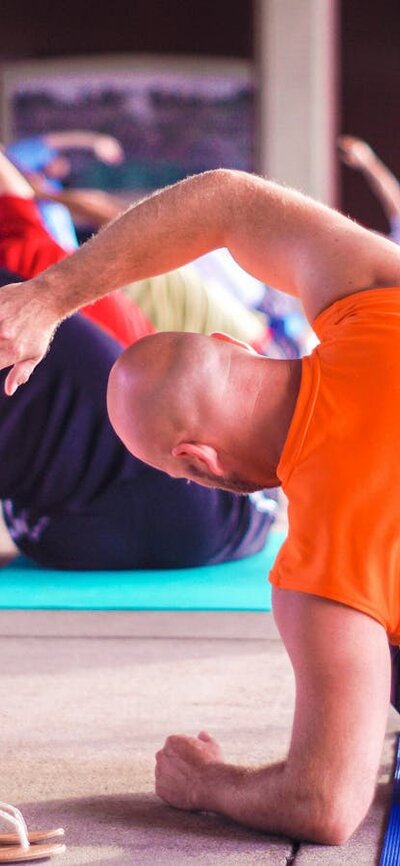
[153,522]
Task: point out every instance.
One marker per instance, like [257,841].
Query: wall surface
[49,29]
[370,84]
[297,49]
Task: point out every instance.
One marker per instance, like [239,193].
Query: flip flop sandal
[34,836]
[25,845]
[17,854]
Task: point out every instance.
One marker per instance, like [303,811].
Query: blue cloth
[31,154]
[59,224]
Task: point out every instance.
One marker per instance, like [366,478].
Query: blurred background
[265,85]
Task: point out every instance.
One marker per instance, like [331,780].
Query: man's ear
[204,457]
[226,338]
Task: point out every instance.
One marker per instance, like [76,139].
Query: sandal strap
[12,815]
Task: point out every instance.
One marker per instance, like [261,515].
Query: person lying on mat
[45,161]
[74,498]
[325,427]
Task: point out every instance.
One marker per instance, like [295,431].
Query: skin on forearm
[152,237]
[105,147]
[279,236]
[95,206]
[12,182]
[180,223]
[323,790]
[74,138]
[267,799]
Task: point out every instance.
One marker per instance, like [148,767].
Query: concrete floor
[88,698]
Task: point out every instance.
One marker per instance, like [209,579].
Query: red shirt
[27,249]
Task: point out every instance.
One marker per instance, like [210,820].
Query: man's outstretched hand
[27,326]
[179,766]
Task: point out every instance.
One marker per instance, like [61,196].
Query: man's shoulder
[369,308]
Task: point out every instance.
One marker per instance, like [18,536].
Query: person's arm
[105,147]
[281,237]
[358,154]
[94,206]
[324,788]
[12,182]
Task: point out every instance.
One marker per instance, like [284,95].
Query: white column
[297,75]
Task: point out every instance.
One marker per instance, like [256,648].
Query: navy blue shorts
[74,498]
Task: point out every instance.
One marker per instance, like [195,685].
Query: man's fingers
[18,375]
[214,750]
[204,736]
[173,744]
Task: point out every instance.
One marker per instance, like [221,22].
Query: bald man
[325,427]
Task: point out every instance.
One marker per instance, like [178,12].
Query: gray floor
[88,698]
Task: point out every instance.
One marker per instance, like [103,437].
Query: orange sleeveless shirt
[340,466]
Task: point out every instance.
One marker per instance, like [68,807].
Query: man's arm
[280,236]
[323,790]
[358,154]
[12,181]
[283,238]
[93,206]
[105,147]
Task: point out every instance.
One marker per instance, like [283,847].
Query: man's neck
[290,378]
[278,393]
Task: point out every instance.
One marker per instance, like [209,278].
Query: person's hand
[354,152]
[27,326]
[108,149]
[178,769]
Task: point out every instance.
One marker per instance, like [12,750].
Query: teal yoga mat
[240,585]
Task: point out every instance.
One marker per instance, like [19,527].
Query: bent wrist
[211,784]
[50,297]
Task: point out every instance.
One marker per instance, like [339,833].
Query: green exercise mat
[240,585]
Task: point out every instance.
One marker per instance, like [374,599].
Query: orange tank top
[340,466]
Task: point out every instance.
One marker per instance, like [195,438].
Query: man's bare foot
[179,767]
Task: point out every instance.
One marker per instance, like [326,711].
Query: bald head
[191,405]
[163,387]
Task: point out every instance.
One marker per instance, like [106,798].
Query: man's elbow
[333,829]
[335,820]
